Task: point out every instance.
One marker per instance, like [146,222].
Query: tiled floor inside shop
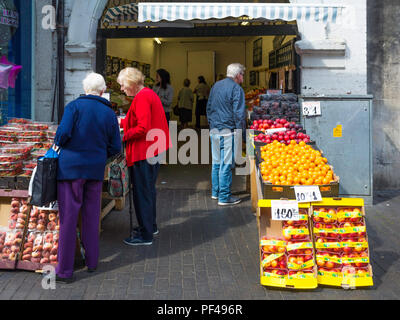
[204,251]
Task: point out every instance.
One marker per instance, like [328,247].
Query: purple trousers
[74,196]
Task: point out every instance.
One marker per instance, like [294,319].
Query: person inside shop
[225,113]
[145,116]
[202,91]
[164,90]
[185,104]
[88,135]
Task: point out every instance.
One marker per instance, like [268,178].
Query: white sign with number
[311,108]
[275,130]
[307,193]
[284,210]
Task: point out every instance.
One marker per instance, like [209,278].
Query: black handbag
[44,181]
[177,111]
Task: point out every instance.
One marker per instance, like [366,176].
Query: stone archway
[80,48]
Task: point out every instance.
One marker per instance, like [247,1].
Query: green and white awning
[125,12]
[157,11]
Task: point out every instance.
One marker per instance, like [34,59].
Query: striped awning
[157,11]
[125,12]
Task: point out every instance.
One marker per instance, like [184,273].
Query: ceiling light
[157,40]
[244,23]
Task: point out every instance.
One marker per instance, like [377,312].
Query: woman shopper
[145,117]
[88,134]
[164,90]
[202,91]
[185,104]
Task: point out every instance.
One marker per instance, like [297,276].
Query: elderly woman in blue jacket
[88,135]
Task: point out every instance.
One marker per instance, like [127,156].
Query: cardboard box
[5,215]
[343,279]
[273,228]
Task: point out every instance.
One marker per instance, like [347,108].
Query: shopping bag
[176,110]
[44,179]
[118,174]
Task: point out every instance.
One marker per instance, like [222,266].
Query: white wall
[142,50]
[173,57]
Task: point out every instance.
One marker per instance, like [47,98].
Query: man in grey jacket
[225,114]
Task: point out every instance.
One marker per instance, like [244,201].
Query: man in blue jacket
[88,135]
[225,114]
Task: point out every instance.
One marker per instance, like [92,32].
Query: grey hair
[94,83]
[234,69]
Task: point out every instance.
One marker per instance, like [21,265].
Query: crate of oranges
[341,243]
[281,166]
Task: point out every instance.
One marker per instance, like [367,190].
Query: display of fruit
[294,164]
[6,157]
[353,245]
[272,245]
[19,213]
[11,245]
[8,138]
[328,260]
[263,125]
[31,139]
[282,137]
[301,261]
[349,215]
[355,259]
[37,126]
[331,245]
[50,248]
[326,230]
[17,149]
[8,131]
[36,134]
[10,172]
[6,143]
[325,215]
[352,230]
[19,120]
[296,233]
[31,164]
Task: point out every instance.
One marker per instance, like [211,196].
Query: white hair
[94,84]
[234,69]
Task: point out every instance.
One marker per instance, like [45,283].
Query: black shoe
[91,270]
[138,241]
[139,230]
[64,280]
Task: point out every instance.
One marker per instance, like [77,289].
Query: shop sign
[285,210]
[9,18]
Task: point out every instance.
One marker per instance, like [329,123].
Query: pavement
[203,252]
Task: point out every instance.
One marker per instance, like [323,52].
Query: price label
[271,131]
[311,108]
[284,210]
[307,193]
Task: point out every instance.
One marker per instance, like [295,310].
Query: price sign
[284,210]
[271,131]
[307,193]
[311,108]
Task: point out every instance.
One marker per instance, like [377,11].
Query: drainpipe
[61,58]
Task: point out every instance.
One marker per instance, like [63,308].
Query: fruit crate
[269,228]
[272,191]
[346,244]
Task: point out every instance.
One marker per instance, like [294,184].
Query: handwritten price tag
[284,210]
[271,131]
[311,108]
[307,193]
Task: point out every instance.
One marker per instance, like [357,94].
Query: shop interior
[270,61]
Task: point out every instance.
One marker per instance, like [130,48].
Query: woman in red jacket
[147,138]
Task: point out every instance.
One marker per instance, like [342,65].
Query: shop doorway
[267,52]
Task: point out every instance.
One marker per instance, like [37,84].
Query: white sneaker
[214,197]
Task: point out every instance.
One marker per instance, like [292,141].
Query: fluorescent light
[157,40]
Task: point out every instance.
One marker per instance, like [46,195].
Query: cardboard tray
[5,206]
[340,279]
[273,228]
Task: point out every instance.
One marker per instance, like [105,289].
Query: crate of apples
[263,125]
